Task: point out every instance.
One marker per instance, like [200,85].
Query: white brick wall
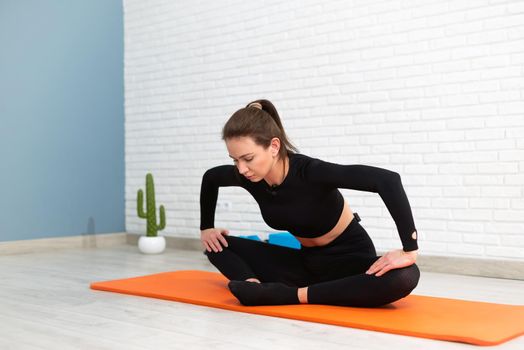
[431,89]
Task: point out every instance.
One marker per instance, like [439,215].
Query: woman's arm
[371,179]
[220,176]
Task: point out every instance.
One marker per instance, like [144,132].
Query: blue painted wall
[61,118]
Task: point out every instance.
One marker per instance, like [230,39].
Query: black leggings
[334,273]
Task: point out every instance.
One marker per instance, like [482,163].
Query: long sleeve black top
[308,203]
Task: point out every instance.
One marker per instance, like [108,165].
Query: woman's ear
[275,146]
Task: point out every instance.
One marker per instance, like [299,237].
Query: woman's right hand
[212,237]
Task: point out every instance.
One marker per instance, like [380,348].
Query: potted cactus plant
[151,243]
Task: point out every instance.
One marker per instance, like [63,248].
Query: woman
[337,263]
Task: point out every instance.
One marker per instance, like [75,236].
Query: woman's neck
[279,172]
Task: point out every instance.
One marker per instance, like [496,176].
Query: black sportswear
[308,203]
[334,273]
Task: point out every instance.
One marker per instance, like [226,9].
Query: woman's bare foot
[302,295]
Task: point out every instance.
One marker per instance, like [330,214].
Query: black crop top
[308,203]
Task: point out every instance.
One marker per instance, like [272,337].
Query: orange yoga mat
[471,322]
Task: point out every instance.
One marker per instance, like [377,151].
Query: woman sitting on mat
[337,263]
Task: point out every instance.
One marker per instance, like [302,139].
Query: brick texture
[430,89]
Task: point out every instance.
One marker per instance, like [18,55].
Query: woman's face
[253,161]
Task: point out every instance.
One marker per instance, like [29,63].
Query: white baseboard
[55,243]
[509,269]
[171,242]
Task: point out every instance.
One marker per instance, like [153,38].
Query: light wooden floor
[46,303]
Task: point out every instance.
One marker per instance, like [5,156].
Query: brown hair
[262,125]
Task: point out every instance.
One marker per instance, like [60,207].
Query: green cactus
[150,214]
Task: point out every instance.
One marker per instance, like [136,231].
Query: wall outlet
[224,206]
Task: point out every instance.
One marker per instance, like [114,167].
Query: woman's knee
[212,256]
[408,278]
[234,244]
[400,284]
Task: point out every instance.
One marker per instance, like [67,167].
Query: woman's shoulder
[221,169]
[303,163]
[225,175]
[306,165]
[301,159]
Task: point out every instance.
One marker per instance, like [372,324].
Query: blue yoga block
[285,239]
[253,237]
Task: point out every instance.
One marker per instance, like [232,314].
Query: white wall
[430,89]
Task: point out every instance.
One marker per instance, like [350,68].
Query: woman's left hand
[394,259]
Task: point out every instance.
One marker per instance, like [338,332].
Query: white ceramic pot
[151,245]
